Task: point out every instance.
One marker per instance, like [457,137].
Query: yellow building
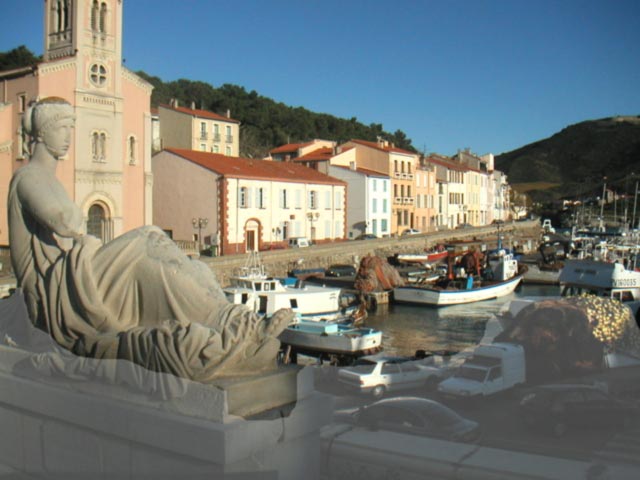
[400,165]
[200,130]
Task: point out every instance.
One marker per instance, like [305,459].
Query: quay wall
[278,262]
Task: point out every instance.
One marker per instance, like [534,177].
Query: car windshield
[471,373]
[441,416]
[363,366]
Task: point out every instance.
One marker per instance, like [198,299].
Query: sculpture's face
[57,137]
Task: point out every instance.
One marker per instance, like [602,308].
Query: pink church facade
[108,168]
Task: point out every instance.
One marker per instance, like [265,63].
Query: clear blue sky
[492,75]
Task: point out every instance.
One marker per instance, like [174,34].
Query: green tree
[18,57]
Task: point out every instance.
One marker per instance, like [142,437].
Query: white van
[299,242]
[493,367]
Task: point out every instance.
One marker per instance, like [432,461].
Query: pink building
[108,168]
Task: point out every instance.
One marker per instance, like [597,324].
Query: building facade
[369,200]
[425,211]
[107,171]
[196,129]
[400,166]
[248,204]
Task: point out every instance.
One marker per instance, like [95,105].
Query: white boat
[331,339]
[599,278]
[266,295]
[507,277]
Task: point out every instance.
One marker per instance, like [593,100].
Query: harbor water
[407,328]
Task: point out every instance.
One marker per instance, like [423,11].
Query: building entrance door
[251,241]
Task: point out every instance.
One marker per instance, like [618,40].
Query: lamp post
[199,223]
[312,216]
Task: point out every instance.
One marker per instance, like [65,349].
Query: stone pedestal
[60,426]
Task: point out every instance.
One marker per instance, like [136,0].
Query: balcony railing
[397,175]
[229,138]
[203,135]
[407,200]
[216,137]
[397,200]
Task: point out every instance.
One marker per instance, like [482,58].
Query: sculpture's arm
[51,207]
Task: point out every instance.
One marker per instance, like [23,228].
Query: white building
[249,204]
[369,200]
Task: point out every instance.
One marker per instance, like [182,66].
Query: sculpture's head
[49,121]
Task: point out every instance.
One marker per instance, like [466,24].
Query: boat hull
[440,298]
[342,341]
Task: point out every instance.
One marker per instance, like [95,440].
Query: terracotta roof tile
[237,167]
[447,163]
[323,153]
[364,171]
[289,148]
[388,148]
[201,113]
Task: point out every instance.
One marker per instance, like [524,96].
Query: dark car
[340,271]
[463,225]
[555,408]
[415,416]
[366,236]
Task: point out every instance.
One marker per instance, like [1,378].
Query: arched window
[66,11]
[103,18]
[131,147]
[102,147]
[60,25]
[95,140]
[95,12]
[55,16]
[96,221]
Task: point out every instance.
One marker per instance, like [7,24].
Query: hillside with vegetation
[265,123]
[577,159]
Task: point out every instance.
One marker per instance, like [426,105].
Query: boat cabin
[601,279]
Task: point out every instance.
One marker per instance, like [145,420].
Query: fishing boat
[505,277]
[600,278]
[423,258]
[266,295]
[328,338]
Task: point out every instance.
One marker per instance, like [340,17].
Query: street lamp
[312,216]
[199,224]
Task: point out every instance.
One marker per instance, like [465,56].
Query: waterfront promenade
[279,262]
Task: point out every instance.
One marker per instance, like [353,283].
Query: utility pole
[635,202]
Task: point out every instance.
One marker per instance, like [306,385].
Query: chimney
[228,113]
[193,105]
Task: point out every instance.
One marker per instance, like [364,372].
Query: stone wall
[279,262]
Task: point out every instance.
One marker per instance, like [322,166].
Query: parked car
[463,225]
[378,374]
[414,416]
[340,271]
[411,231]
[366,236]
[557,407]
[299,242]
